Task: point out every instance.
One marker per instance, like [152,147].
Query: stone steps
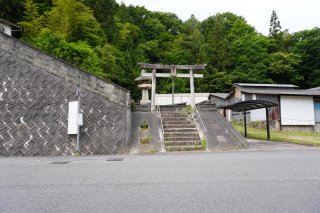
[180,132]
[183,148]
[175,115]
[176,126]
[183,143]
[178,119]
[178,123]
[182,138]
[181,135]
[185,130]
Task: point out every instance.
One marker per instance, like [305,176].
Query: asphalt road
[246,181]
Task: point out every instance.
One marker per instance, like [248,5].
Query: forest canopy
[109,39]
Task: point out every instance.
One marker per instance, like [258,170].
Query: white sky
[294,15]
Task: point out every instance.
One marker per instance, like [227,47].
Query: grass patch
[189,109]
[152,151]
[146,140]
[144,125]
[304,138]
[204,144]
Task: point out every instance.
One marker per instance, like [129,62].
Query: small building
[298,109]
[7,27]
[219,99]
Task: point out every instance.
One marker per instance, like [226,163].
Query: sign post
[78,113]
[75,118]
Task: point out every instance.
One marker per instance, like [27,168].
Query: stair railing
[197,114]
[161,127]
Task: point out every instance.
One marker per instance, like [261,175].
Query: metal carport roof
[249,105]
[244,106]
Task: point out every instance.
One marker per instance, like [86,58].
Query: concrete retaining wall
[317,127]
[151,118]
[220,133]
[287,128]
[35,89]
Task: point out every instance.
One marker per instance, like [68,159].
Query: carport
[245,106]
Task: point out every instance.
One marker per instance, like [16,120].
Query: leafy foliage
[283,68]
[307,44]
[108,40]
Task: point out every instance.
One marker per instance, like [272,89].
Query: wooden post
[245,123]
[192,99]
[153,90]
[268,126]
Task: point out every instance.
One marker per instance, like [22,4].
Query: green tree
[78,53]
[33,22]
[105,11]
[194,41]
[224,35]
[306,43]
[218,46]
[172,23]
[74,21]
[275,27]
[233,50]
[127,35]
[284,68]
[280,40]
[251,59]
[153,28]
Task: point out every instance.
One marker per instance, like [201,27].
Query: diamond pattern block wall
[34,100]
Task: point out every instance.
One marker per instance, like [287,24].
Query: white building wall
[297,110]
[258,115]
[166,99]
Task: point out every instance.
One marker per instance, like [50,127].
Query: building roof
[9,23]
[267,85]
[219,95]
[275,89]
[143,78]
[184,95]
[266,91]
[316,88]
[248,105]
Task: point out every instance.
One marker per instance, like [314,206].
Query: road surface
[244,181]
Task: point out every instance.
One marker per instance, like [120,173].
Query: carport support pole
[78,126]
[268,126]
[245,123]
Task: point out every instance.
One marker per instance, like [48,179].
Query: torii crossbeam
[173,73]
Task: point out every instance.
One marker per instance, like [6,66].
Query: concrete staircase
[180,132]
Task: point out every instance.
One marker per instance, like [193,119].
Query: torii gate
[173,73]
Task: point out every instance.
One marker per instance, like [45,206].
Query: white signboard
[73,118]
[297,110]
